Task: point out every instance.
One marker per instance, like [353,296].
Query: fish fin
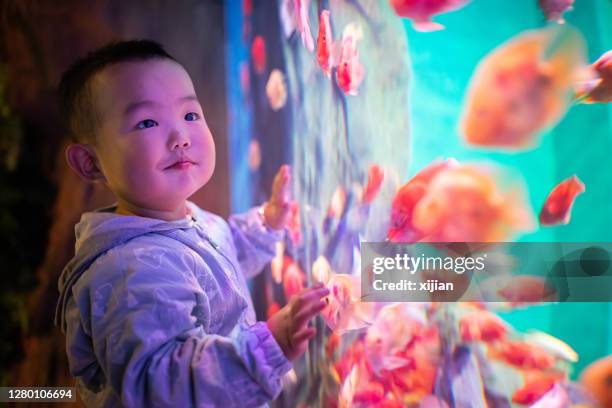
[427,26]
[391,362]
[583,89]
[336,50]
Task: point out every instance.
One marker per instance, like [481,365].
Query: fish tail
[583,89]
[427,26]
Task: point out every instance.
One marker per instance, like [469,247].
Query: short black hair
[76,103]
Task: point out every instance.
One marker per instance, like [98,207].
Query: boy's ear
[82,160]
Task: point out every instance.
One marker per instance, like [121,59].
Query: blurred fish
[482,325]
[421,11]
[554,9]
[402,228]
[464,204]
[525,289]
[523,87]
[345,311]
[359,389]
[552,345]
[597,379]
[396,325]
[600,88]
[286,271]
[254,158]
[321,270]
[369,393]
[327,49]
[303,23]
[294,226]
[276,266]
[537,388]
[555,398]
[276,90]
[258,54]
[337,203]
[247,7]
[376,176]
[353,355]
[522,355]
[347,391]
[558,205]
[294,279]
[350,71]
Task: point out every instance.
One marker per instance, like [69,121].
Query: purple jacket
[158,313]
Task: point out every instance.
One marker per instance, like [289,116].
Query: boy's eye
[147,123]
[191,116]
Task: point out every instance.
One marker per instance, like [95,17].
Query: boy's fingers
[306,295]
[280,185]
[316,292]
[308,312]
[303,335]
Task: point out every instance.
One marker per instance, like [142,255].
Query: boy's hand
[289,325]
[278,209]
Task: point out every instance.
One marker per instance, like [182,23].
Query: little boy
[154,304]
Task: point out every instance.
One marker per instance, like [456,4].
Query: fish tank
[363,97]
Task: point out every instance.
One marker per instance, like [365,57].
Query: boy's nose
[179,140]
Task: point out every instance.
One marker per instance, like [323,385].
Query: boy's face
[149,119]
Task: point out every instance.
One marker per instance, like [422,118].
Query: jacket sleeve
[253,240]
[152,348]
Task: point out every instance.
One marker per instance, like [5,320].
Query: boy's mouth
[180,164]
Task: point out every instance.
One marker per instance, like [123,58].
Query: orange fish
[525,289]
[351,357]
[522,88]
[421,11]
[413,382]
[337,203]
[597,379]
[600,88]
[376,176]
[350,72]
[303,23]
[321,270]
[554,9]
[464,204]
[558,205]
[293,278]
[333,343]
[325,44]
[523,355]
[482,325]
[402,228]
[369,393]
[536,386]
[345,311]
[396,325]
[294,228]
[254,157]
[276,90]
[258,54]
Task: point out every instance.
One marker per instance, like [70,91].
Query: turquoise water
[442,64]
[581,143]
